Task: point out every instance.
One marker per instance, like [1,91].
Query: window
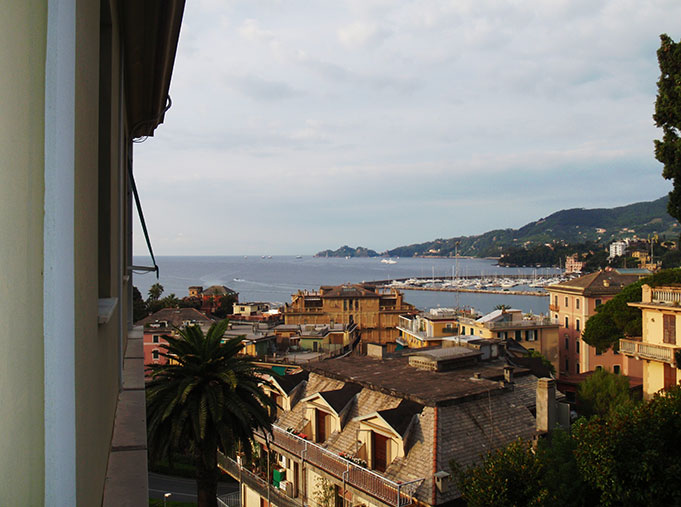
[598,303]
[345,305]
[155,339]
[555,300]
[463,330]
[567,301]
[616,369]
[531,335]
[577,346]
[567,323]
[577,325]
[599,367]
[567,365]
[154,354]
[472,331]
[598,352]
[576,367]
[567,344]
[669,329]
[577,303]
[518,335]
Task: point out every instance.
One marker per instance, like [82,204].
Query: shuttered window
[669,329]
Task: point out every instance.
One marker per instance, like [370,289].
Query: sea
[274,279]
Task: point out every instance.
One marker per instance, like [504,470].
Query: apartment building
[571,303]
[333,338]
[427,329]
[382,430]
[533,332]
[168,321]
[659,347]
[80,79]
[376,312]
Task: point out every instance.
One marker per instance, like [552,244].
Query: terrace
[349,474]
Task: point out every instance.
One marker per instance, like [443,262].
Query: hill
[578,225]
[346,251]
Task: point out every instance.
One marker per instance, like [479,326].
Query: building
[333,339]
[427,329]
[659,348]
[573,264]
[80,80]
[571,303]
[617,249]
[211,298]
[376,312]
[381,431]
[168,321]
[250,309]
[258,338]
[533,332]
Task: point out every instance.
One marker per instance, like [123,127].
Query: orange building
[572,303]
[376,312]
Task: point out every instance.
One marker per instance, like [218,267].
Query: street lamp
[165,498]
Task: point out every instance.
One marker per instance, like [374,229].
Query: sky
[302,125]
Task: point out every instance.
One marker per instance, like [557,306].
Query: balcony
[554,308]
[363,479]
[522,324]
[652,351]
[265,489]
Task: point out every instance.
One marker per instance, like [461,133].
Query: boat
[388,261]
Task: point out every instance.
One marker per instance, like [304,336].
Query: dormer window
[380,451]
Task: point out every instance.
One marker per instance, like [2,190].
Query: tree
[668,117]
[226,305]
[603,392]
[632,455]
[508,476]
[616,319]
[208,397]
[502,307]
[139,307]
[155,292]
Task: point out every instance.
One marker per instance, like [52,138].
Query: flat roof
[392,375]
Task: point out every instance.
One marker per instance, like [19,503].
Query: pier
[482,284]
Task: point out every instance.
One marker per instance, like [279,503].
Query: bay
[275,279]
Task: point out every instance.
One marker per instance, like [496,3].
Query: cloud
[361,35]
[262,89]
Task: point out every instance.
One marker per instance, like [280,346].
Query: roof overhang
[150,32]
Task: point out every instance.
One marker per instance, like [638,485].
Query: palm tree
[206,398]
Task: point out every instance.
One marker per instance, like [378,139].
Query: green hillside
[346,251]
[576,225]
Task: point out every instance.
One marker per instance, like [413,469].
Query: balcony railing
[554,308]
[256,483]
[368,481]
[666,296]
[653,351]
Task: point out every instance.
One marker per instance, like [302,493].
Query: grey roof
[289,382]
[400,417]
[340,397]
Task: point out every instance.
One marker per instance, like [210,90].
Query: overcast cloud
[303,125]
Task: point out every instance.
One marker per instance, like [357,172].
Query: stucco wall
[23,28]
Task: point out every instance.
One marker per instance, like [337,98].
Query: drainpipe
[435,430]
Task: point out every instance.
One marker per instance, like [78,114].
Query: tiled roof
[339,398]
[401,416]
[599,283]
[289,382]
[347,291]
[175,317]
[217,290]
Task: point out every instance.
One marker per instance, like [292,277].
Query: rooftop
[394,376]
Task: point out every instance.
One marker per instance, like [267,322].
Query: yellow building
[660,346]
[426,329]
[534,332]
[376,312]
[79,80]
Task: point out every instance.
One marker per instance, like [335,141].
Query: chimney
[646,293]
[375,350]
[508,374]
[546,405]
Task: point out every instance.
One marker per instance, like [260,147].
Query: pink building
[167,322]
[572,303]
